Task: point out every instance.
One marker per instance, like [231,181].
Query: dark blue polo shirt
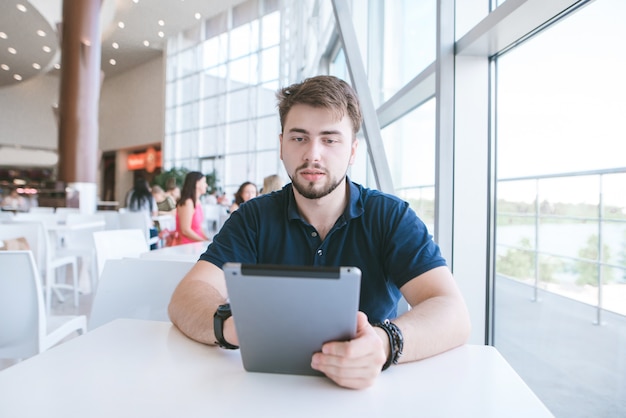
[378,232]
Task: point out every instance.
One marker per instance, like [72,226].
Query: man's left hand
[353,364]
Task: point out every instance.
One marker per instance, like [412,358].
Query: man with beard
[324,219]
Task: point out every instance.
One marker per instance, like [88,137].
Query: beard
[310,190]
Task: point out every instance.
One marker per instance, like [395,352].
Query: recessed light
[121,25]
[17,77]
[135,1]
[161,34]
[21,7]
[115,45]
[46,48]
[36,66]
[112,61]
[5,67]
[11,50]
[57,66]
[41,33]
[146,43]
[198,16]
[161,22]
[3,35]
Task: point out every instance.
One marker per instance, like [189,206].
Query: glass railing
[566,234]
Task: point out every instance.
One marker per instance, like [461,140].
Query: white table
[130,368]
[184,252]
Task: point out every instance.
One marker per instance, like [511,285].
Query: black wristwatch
[222,314]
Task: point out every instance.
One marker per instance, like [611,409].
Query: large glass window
[410,148]
[408,41]
[221,110]
[560,286]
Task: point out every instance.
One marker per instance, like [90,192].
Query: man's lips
[312,175]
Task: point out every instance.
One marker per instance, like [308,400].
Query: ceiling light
[146,43]
[198,16]
[41,33]
[11,50]
[5,67]
[161,22]
[161,34]
[57,66]
[21,7]
[46,48]
[17,77]
[121,25]
[36,66]
[135,1]
[3,35]
[115,45]
[112,61]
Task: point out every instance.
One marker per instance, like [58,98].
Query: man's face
[317,150]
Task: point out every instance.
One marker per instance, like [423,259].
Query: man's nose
[313,151]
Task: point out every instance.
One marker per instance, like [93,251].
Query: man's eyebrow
[331,133]
[304,131]
[299,130]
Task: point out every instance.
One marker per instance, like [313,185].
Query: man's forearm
[192,307]
[433,326]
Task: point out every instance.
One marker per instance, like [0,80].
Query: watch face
[224,309]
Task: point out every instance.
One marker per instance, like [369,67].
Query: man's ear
[280,148]
[354,146]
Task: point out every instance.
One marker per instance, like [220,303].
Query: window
[561,211]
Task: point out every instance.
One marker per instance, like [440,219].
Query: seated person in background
[189,215]
[165,203]
[324,219]
[15,201]
[140,199]
[172,189]
[222,199]
[272,183]
[246,191]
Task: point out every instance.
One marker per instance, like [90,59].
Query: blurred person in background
[189,215]
[246,191]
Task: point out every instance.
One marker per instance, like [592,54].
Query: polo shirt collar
[353,210]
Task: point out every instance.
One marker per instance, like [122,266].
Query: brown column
[79,92]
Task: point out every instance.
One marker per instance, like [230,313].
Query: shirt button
[313,234]
[319,252]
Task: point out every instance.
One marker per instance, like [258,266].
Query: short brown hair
[323,91]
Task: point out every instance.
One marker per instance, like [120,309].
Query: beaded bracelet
[396,342]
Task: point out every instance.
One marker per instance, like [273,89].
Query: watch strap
[221,315]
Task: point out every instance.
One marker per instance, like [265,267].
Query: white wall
[26,116]
[132,108]
[132,115]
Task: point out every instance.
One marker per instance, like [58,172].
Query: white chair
[118,243]
[136,288]
[214,215]
[111,218]
[25,329]
[6,216]
[46,260]
[137,220]
[79,242]
[62,212]
[41,209]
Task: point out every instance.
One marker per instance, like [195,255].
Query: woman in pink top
[189,215]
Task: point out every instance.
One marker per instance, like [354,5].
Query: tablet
[283,314]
